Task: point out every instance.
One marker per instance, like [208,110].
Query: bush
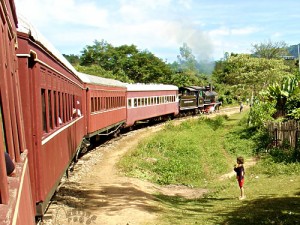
[261,112]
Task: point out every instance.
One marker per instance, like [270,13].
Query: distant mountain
[293,50]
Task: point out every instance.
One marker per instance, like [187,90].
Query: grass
[197,152]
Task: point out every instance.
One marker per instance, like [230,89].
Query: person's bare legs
[242,194]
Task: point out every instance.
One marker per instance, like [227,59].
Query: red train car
[150,101]
[50,92]
[15,189]
[106,105]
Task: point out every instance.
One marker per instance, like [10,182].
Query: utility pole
[298,58]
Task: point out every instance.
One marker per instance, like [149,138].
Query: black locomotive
[195,99]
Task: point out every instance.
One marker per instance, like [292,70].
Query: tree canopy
[270,50]
[246,73]
[126,61]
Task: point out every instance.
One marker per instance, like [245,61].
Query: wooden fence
[284,132]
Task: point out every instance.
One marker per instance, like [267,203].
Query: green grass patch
[196,153]
[192,153]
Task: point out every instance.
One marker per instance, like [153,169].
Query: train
[50,113]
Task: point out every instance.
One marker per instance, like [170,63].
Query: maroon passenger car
[15,190]
[50,91]
[106,107]
[150,102]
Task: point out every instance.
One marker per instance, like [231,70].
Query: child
[240,172]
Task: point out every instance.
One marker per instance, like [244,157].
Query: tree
[280,93]
[249,73]
[127,61]
[270,50]
[73,59]
[187,70]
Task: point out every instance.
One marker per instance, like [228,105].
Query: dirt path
[97,194]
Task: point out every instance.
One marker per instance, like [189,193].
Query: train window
[92,104]
[50,109]
[135,102]
[102,103]
[68,107]
[74,107]
[55,108]
[63,107]
[71,105]
[44,121]
[107,103]
[142,102]
[99,104]
[60,104]
[129,103]
[59,109]
[96,104]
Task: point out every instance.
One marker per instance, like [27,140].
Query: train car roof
[187,88]
[91,79]
[24,26]
[151,87]
[198,87]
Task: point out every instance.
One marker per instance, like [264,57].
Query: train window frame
[92,104]
[50,110]
[135,102]
[43,110]
[98,103]
[129,102]
[56,121]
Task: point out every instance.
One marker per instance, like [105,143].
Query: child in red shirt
[240,172]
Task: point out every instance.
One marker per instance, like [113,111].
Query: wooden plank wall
[284,132]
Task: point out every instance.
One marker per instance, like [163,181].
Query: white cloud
[43,12]
[224,31]
[161,26]
[244,31]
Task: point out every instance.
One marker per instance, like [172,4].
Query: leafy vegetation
[263,79]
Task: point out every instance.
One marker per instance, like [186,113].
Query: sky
[209,27]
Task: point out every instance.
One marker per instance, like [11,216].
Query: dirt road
[96,193]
